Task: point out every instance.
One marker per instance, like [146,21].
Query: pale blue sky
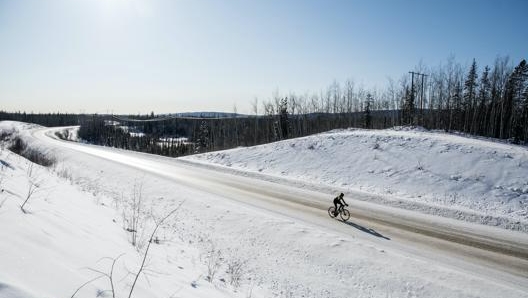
[130,56]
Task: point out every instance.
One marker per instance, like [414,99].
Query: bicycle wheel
[331,211]
[345,214]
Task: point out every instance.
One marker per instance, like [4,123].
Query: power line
[421,94]
[171,117]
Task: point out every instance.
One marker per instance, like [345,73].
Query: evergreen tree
[202,143]
[469,104]
[408,108]
[284,121]
[485,87]
[470,85]
[367,112]
[484,97]
[517,85]
[456,113]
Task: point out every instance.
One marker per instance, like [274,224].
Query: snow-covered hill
[445,174]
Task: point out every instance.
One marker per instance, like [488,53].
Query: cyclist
[339,200]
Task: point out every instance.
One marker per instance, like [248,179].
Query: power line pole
[421,95]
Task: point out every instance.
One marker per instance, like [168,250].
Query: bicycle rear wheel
[331,211]
[345,214]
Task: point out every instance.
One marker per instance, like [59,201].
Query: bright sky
[137,56]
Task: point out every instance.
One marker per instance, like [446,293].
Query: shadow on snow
[366,230]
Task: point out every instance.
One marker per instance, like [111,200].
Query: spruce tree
[367,113]
[516,94]
[469,104]
[408,108]
[284,119]
[484,97]
[470,85]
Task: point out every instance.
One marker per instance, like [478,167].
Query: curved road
[484,250]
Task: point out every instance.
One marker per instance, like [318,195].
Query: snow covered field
[75,224]
[433,172]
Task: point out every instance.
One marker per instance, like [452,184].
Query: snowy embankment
[68,236]
[444,174]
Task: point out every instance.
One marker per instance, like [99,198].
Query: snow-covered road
[491,253]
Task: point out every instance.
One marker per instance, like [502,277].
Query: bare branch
[110,275]
[86,283]
[34,184]
[158,224]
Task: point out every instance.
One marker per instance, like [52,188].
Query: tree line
[44,119]
[181,136]
[491,102]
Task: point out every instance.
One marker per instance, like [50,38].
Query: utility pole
[420,119]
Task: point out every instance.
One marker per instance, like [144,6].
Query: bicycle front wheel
[345,214]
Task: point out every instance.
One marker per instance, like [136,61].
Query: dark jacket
[339,200]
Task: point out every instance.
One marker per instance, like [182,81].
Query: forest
[489,101]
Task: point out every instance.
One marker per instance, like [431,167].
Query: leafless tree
[85,284]
[235,271]
[133,214]
[158,223]
[254,105]
[34,185]
[108,275]
[213,260]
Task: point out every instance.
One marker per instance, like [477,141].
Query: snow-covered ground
[444,174]
[75,227]
[71,234]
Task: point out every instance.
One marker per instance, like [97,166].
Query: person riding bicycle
[339,200]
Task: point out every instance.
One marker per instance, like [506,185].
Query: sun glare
[113,8]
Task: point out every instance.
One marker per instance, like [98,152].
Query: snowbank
[70,234]
[444,174]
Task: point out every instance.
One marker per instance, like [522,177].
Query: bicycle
[342,211]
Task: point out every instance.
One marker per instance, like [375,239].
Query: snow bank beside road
[69,237]
[445,174]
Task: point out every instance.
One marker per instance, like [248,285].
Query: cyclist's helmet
[342,195]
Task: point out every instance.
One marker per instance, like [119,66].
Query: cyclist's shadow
[366,230]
